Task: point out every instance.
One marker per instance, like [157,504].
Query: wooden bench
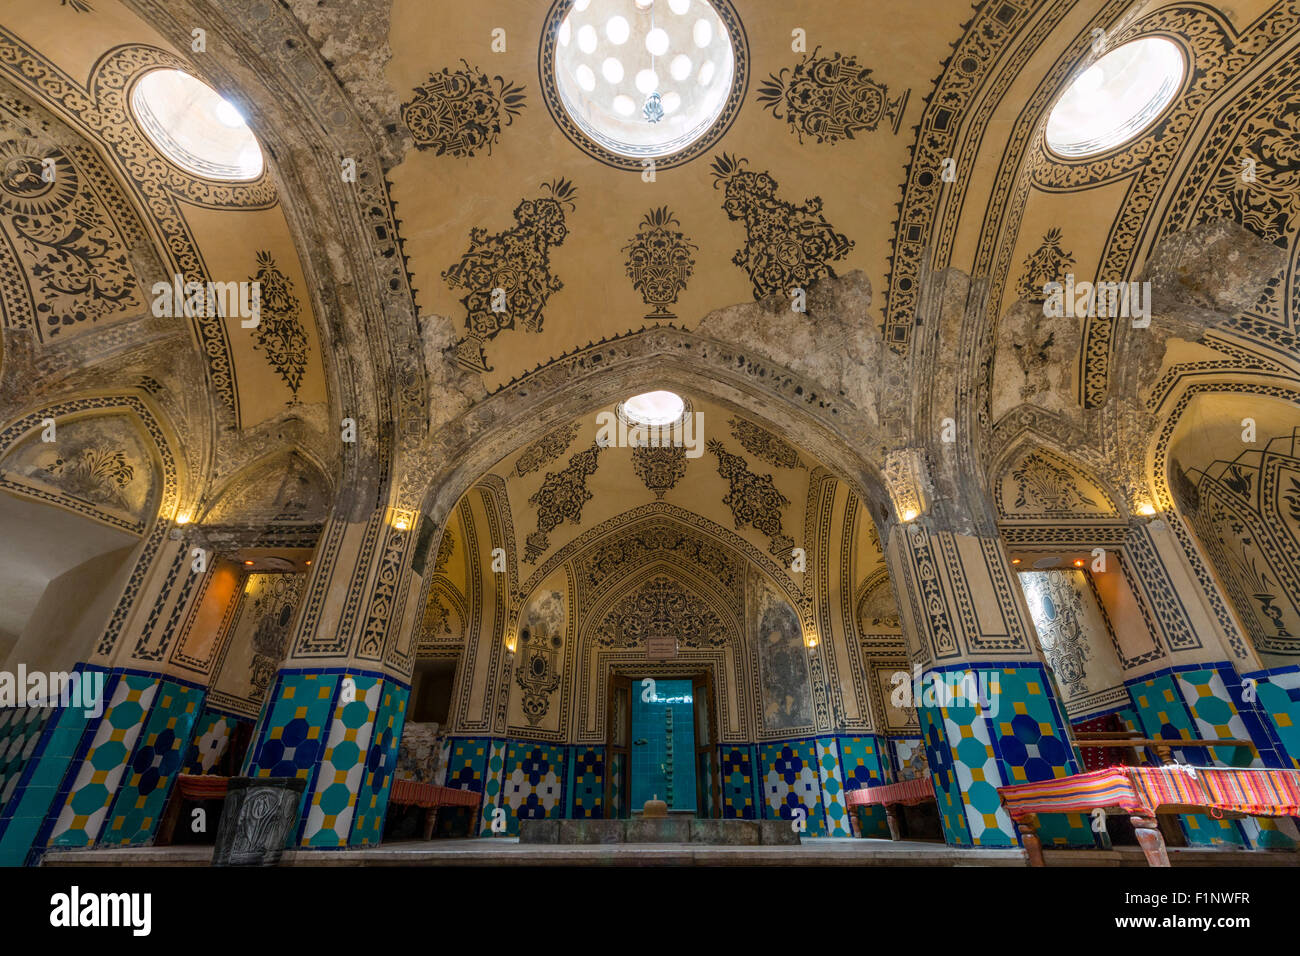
[892,796]
[1143,792]
[430,797]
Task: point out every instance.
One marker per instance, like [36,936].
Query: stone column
[98,767]
[988,711]
[335,711]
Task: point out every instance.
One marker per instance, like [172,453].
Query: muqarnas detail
[507,276]
[787,245]
[830,98]
[460,112]
[659,261]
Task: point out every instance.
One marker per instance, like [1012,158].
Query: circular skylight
[643,79]
[194,127]
[1116,98]
[654,408]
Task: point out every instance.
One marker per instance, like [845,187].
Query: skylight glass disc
[654,408]
[1116,98]
[657,47]
[194,127]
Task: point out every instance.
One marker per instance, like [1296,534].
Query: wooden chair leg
[430,821]
[1028,827]
[167,826]
[891,817]
[1150,839]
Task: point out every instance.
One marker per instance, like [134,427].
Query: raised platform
[684,830]
[814,851]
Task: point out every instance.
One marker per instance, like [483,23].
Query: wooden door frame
[616,680]
[688,671]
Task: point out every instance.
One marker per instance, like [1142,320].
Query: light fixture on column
[1146,509]
[512,641]
[810,639]
[911,514]
[183,518]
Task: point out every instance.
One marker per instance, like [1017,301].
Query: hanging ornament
[654,108]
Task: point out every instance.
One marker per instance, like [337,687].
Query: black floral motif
[762,444]
[546,449]
[753,499]
[446,548]
[1292,498]
[1048,263]
[1259,185]
[437,619]
[659,467]
[561,497]
[830,98]
[81,6]
[787,246]
[659,261]
[279,332]
[460,112]
[95,473]
[73,252]
[507,276]
[661,607]
[1052,487]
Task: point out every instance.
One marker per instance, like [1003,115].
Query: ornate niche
[99,466]
[540,654]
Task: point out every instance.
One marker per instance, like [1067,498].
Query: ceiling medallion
[686,62]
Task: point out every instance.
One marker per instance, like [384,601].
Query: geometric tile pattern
[862,765]
[737,763]
[586,767]
[41,783]
[288,739]
[493,778]
[1215,713]
[105,762]
[343,763]
[1031,743]
[835,809]
[1162,712]
[947,791]
[977,774]
[20,731]
[372,800]
[791,780]
[533,787]
[212,732]
[154,765]
[1278,695]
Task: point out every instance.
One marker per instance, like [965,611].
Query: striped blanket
[1144,790]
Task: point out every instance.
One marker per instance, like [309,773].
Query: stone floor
[502,851]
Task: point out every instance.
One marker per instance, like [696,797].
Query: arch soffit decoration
[740,381]
[1111,509]
[631,523]
[149,426]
